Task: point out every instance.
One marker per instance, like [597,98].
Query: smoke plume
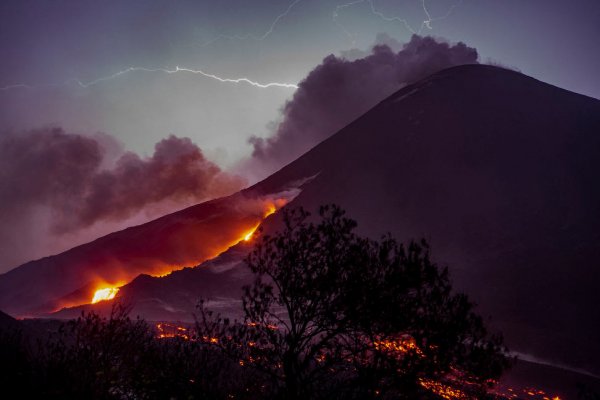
[61,184]
[341,89]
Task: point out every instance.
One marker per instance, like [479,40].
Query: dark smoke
[340,89]
[66,182]
[177,172]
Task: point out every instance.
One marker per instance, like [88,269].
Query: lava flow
[104,294]
[271,208]
[184,245]
[167,330]
[250,233]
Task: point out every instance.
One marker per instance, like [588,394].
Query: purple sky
[53,42]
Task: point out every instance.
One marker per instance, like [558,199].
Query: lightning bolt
[176,70]
[392,19]
[429,20]
[16,86]
[27,86]
[336,14]
[262,37]
[426,23]
[188,70]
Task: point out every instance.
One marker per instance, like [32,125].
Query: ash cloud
[66,183]
[341,89]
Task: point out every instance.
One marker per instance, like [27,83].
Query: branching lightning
[262,37]
[394,18]
[425,24]
[177,69]
[336,14]
[429,20]
[184,70]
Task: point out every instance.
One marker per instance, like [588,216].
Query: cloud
[177,172]
[68,182]
[341,89]
[382,39]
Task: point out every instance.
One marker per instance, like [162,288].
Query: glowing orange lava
[107,290]
[248,235]
[167,330]
[444,391]
[400,346]
[523,392]
[271,208]
[104,294]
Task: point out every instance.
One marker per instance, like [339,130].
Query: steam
[341,89]
[66,183]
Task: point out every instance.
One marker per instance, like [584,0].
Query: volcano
[498,171]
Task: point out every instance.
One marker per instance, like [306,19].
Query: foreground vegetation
[330,315]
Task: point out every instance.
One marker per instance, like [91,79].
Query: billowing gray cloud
[340,89]
[79,180]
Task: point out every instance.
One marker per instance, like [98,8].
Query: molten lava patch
[248,235]
[104,294]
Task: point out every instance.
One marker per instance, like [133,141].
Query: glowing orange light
[171,331]
[167,270]
[400,346]
[271,208]
[248,235]
[444,391]
[104,294]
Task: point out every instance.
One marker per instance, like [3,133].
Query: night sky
[112,67]
[53,42]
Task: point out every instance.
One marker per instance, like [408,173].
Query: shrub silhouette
[114,357]
[331,314]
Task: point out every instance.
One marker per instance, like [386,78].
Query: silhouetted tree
[332,314]
[15,357]
[96,357]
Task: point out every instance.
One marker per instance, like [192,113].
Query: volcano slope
[182,239]
[498,171]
